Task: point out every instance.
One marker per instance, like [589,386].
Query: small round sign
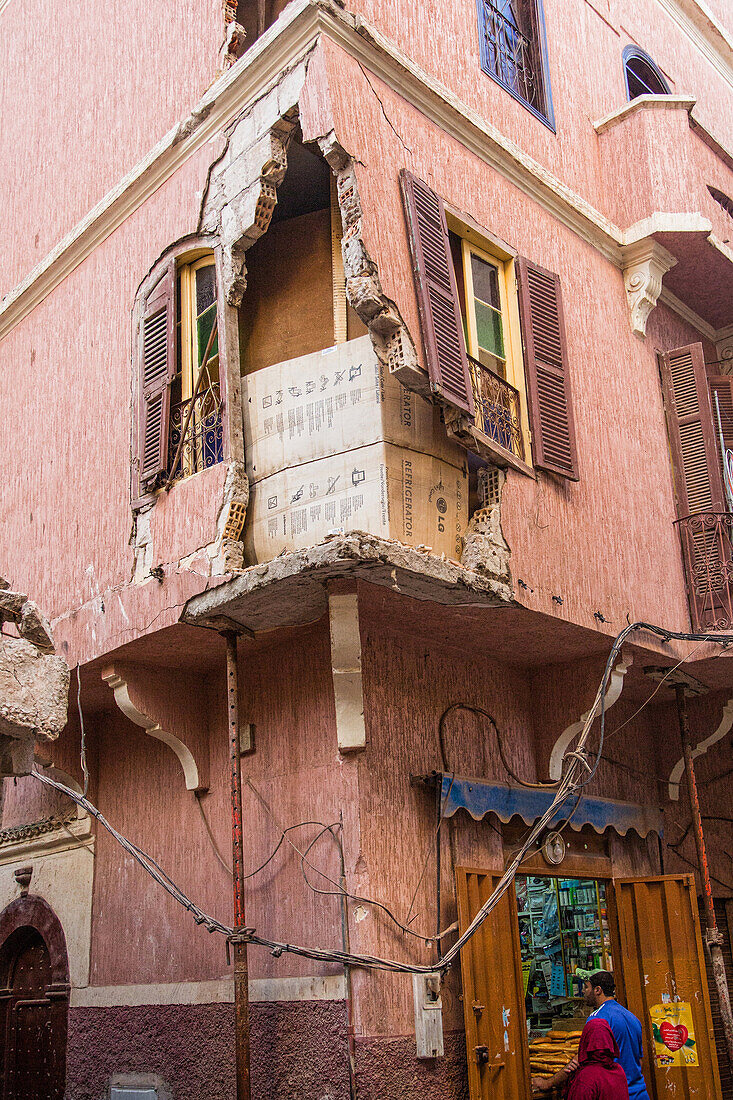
[553,849]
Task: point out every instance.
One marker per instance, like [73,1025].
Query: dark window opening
[257,15]
[295,301]
[722,199]
[513,51]
[642,75]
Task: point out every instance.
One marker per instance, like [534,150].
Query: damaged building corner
[34,683]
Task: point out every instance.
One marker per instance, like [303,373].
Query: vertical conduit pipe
[239,943]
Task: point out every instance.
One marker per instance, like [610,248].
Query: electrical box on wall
[428,1015]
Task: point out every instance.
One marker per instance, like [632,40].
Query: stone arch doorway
[34,1001]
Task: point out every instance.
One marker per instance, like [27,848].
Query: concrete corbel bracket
[675,777]
[129,687]
[645,263]
[568,735]
[343,613]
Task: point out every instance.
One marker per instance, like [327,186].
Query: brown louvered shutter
[546,370]
[157,369]
[437,293]
[693,439]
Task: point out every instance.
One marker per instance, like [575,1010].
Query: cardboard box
[385,490]
[330,402]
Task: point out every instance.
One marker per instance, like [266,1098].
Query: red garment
[599,1076]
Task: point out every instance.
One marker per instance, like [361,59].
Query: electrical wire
[500,745]
[83,734]
[568,784]
[339,891]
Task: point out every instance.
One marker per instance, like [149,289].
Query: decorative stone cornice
[645,263]
[121,681]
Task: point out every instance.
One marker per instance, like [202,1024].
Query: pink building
[400,343]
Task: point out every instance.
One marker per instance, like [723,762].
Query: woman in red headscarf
[598,1076]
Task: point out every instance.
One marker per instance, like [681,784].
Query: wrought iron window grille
[707,551]
[514,54]
[201,445]
[496,409]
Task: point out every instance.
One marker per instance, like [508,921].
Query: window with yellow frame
[490,311]
[196,422]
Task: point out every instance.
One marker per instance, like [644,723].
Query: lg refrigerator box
[334,445]
[384,490]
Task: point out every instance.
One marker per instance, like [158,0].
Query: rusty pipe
[239,943]
[713,937]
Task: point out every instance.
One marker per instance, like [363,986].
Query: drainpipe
[713,937]
[239,942]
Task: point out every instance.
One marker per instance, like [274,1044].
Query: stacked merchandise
[552,1052]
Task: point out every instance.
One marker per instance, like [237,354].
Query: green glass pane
[203,329]
[485,282]
[489,329]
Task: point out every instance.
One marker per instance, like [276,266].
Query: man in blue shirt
[598,992]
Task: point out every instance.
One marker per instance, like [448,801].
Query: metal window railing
[510,55]
[707,551]
[202,444]
[497,408]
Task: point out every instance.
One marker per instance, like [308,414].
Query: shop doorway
[563,928]
[646,929]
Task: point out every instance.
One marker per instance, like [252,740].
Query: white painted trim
[675,776]
[343,614]
[660,222]
[565,738]
[705,32]
[641,103]
[153,729]
[216,991]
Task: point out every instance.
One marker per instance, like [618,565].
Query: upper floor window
[642,75]
[480,305]
[514,52]
[178,429]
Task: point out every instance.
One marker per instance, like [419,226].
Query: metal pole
[713,937]
[241,975]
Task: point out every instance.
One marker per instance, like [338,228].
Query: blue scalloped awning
[480,797]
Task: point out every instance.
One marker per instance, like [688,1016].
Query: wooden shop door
[493,994]
[655,933]
[35,1024]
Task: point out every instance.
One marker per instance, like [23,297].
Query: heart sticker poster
[674,1035]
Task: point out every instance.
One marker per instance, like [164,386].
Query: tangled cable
[570,784]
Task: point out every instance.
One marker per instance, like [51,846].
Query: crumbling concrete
[485,550]
[291,589]
[34,684]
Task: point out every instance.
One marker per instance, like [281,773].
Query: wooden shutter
[437,293]
[658,956]
[692,435]
[546,370]
[493,993]
[157,369]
